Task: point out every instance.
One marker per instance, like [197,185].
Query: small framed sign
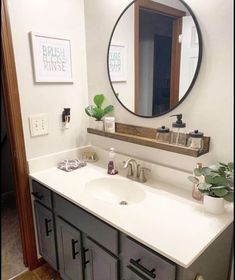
[51,59]
[117,62]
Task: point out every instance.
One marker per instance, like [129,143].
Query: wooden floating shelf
[146,136]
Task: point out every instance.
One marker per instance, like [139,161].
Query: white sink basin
[115,190]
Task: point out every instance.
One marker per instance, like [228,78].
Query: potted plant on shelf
[217,185]
[97,112]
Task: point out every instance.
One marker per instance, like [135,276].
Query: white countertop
[168,220]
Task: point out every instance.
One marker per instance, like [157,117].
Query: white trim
[12,278]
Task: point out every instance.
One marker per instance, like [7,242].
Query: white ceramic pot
[214,205]
[99,125]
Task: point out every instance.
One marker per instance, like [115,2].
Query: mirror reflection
[154,56]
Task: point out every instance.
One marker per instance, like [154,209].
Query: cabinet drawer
[41,194]
[139,260]
[87,223]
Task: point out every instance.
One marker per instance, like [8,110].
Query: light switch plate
[38,124]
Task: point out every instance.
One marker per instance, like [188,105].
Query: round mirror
[154,56]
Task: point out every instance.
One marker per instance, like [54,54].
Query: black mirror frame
[195,74]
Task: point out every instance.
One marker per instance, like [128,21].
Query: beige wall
[209,106]
[54,17]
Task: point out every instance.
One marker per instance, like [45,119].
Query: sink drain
[123,202]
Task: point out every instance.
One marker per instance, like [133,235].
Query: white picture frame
[51,58]
[117,62]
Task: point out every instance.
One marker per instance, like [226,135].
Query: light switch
[38,124]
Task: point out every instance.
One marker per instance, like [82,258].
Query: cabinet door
[69,251]
[46,233]
[99,264]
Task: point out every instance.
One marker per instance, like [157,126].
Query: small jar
[163,134]
[195,140]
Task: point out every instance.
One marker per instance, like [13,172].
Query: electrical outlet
[38,124]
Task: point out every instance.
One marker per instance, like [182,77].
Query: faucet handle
[145,169]
[142,177]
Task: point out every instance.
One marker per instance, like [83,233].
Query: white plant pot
[99,125]
[96,124]
[214,205]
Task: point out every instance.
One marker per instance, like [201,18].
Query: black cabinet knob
[37,195]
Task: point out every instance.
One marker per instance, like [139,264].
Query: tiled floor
[44,272]
[11,250]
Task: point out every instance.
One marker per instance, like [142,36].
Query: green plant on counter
[218,180]
[97,111]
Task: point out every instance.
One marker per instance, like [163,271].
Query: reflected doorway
[157,57]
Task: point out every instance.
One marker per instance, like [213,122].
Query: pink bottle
[111,165]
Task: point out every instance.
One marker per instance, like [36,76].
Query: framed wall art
[51,58]
[117,62]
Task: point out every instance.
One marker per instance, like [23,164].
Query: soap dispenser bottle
[111,164]
[178,134]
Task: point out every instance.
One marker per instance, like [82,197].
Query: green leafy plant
[97,111]
[218,180]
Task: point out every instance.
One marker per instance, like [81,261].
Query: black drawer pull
[37,195]
[46,226]
[84,257]
[74,253]
[142,268]
[137,272]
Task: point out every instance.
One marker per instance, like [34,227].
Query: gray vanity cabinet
[69,250]
[87,248]
[46,233]
[99,264]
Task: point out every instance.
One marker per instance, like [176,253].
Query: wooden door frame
[11,102]
[175,62]
[177,29]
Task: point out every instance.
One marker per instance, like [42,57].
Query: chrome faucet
[135,171]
